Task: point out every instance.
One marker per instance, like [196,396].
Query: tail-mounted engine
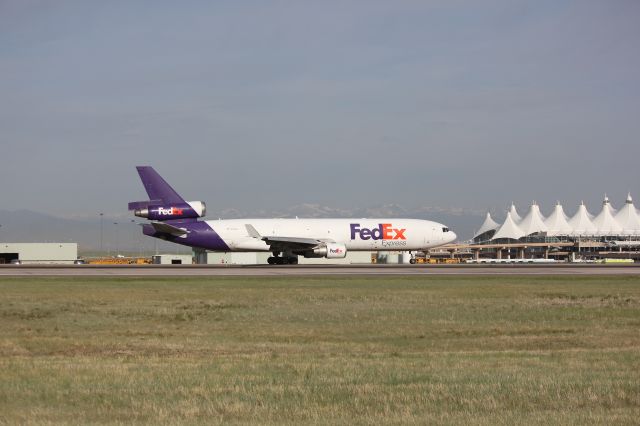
[188,210]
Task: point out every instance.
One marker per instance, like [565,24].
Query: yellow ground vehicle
[119,261]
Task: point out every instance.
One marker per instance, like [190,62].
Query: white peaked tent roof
[605,223]
[557,223]
[581,222]
[514,214]
[533,222]
[611,209]
[509,229]
[628,218]
[488,225]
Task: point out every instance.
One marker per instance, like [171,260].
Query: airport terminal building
[611,233]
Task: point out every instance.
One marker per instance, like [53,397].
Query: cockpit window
[445,229]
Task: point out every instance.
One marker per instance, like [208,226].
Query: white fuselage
[355,234]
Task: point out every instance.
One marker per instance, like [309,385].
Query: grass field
[403,350]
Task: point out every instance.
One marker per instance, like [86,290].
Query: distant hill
[29,226]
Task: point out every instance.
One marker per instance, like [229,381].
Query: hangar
[34,253]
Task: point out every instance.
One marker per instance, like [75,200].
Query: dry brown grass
[406,350]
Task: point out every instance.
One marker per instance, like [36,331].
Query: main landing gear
[282,260]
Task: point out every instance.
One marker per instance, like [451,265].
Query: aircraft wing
[165,228]
[284,243]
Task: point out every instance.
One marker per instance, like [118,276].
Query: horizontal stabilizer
[165,228]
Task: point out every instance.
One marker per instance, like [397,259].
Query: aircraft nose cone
[451,237]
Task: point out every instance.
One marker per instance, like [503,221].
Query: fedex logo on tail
[384,231]
[172,211]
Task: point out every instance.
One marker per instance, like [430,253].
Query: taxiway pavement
[311,270]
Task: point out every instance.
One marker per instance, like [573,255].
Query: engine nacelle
[331,251]
[189,210]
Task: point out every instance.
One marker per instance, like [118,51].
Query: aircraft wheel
[412,261]
[271,260]
[293,261]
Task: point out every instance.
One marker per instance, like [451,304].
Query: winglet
[253,232]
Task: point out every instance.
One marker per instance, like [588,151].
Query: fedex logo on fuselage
[171,211]
[384,231]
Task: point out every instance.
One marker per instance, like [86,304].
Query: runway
[309,270]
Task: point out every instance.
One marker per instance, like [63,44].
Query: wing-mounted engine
[165,211]
[329,250]
[307,247]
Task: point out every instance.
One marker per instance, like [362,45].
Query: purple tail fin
[158,188]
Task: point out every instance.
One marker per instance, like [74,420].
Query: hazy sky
[249,104]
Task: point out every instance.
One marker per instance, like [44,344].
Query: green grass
[331,350]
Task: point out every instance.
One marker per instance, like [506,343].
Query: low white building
[233,258]
[172,259]
[260,258]
[352,258]
[393,257]
[39,253]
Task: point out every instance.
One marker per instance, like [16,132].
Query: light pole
[116,225]
[101,234]
[134,238]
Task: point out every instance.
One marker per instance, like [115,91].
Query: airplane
[176,220]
